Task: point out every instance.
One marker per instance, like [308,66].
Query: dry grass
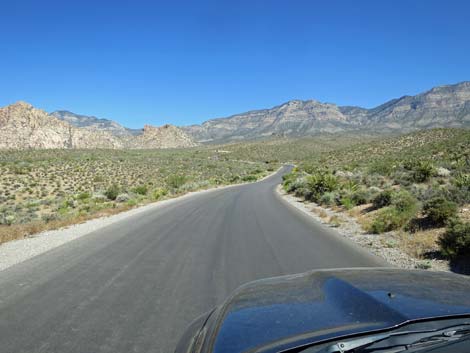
[21,231]
[420,243]
[335,221]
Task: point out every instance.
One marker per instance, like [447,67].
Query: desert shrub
[99,198]
[350,186]
[175,181]
[304,192]
[234,178]
[7,219]
[403,178]
[295,185]
[403,208]
[189,187]
[159,193]
[422,171]
[455,241]
[462,180]
[83,196]
[461,196]
[132,202]
[381,167]
[328,198]
[249,178]
[439,210]
[347,202]
[321,182]
[361,197]
[389,218]
[66,204]
[403,201]
[382,199]
[112,192]
[141,190]
[98,179]
[122,198]
[49,218]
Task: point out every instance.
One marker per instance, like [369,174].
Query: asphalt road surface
[135,285]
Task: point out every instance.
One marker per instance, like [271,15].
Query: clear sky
[184,62]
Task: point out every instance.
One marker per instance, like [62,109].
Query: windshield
[399,341]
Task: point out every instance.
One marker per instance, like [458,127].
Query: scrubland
[46,189]
[414,187]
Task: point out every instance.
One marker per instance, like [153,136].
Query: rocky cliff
[24,127]
[166,136]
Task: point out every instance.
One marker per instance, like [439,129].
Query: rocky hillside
[166,136]
[24,127]
[444,106]
[94,123]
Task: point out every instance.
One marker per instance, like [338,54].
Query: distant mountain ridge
[24,127]
[442,106]
[92,122]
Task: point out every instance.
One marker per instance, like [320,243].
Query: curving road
[134,286]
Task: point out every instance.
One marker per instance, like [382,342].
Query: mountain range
[23,126]
[443,106]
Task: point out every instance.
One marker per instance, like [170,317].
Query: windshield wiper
[405,339]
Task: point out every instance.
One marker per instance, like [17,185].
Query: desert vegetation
[416,185]
[44,189]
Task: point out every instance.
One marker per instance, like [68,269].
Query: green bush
[455,241]
[439,210]
[382,199]
[303,191]
[175,181]
[159,193]
[296,185]
[83,196]
[328,198]
[132,202]
[141,190]
[321,182]
[404,202]
[389,218]
[249,178]
[112,192]
[360,197]
[403,208]
[462,180]
[347,202]
[381,167]
[422,171]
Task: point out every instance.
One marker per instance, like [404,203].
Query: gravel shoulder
[17,251]
[378,244]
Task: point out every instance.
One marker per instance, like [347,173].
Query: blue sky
[183,62]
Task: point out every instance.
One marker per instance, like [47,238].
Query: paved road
[135,285]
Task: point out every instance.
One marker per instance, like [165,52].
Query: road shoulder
[348,228]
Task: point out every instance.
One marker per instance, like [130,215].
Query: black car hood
[319,305]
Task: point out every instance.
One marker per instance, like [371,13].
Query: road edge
[16,251]
[369,242]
